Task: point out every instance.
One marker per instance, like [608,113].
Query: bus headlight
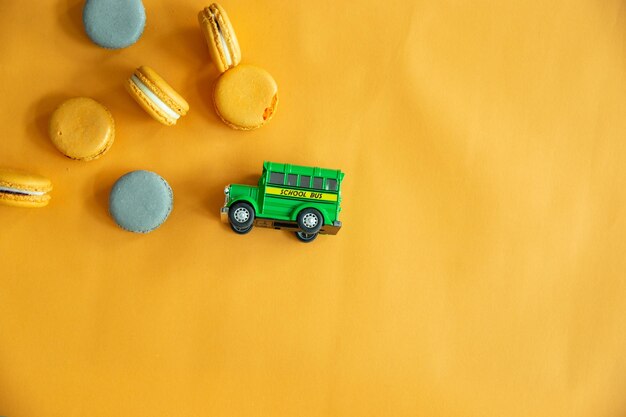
[226,194]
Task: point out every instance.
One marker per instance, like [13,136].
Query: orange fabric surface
[481,267]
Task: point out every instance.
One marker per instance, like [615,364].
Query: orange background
[481,267]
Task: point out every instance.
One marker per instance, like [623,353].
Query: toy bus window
[292,179]
[317,182]
[331,184]
[277,178]
[305,181]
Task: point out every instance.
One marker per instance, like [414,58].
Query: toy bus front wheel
[240,230]
[241,217]
[306,237]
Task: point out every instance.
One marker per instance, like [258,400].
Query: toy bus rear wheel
[310,221]
[241,217]
[306,237]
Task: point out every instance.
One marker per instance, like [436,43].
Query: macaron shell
[162,89]
[209,19]
[27,201]
[140,201]
[145,103]
[114,24]
[14,178]
[82,129]
[228,32]
[245,97]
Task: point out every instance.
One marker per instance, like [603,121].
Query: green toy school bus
[301,199]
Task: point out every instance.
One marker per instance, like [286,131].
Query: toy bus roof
[303,170]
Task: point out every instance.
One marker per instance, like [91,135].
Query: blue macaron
[140,201]
[114,24]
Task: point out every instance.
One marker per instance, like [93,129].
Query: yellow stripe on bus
[311,195]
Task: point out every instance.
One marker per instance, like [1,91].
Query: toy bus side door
[261,198]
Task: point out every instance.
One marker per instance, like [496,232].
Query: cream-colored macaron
[156,96]
[23,189]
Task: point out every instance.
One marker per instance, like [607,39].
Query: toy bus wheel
[241,216]
[240,230]
[306,237]
[310,221]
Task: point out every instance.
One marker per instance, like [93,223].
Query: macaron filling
[229,60]
[225,49]
[154,98]
[9,190]
[269,111]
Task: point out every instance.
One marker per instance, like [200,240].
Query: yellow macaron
[156,96]
[245,97]
[220,37]
[22,189]
[82,129]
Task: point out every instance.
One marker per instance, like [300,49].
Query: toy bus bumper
[327,229]
[224,214]
[331,229]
